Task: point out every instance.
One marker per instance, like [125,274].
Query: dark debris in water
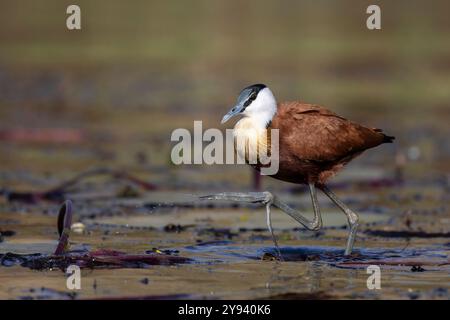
[417,269]
[61,259]
[6,233]
[175,228]
[90,260]
[218,233]
[407,234]
[269,257]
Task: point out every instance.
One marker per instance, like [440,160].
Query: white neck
[262,110]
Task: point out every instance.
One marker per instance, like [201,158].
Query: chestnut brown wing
[314,133]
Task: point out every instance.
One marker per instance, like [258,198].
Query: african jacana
[314,144]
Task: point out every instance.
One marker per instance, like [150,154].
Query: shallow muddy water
[109,98]
[230,253]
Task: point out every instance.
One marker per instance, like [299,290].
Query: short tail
[388,139]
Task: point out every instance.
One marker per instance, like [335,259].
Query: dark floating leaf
[417,269]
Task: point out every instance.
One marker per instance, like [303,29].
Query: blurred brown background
[137,70]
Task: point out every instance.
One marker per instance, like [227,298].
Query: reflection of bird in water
[314,144]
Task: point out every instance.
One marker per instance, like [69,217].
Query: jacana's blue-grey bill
[236,110]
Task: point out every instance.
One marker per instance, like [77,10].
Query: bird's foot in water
[266,198]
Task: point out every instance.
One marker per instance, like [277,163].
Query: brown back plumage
[319,142]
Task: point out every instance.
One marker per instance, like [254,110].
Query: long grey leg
[269,199]
[269,226]
[317,220]
[352,218]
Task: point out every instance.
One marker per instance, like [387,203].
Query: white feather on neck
[261,111]
[251,129]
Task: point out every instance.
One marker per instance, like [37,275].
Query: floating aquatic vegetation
[96,259]
[105,258]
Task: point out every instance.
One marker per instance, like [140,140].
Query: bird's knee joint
[353,218]
[316,226]
[354,223]
[268,197]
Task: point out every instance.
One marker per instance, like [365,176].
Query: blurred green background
[137,70]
